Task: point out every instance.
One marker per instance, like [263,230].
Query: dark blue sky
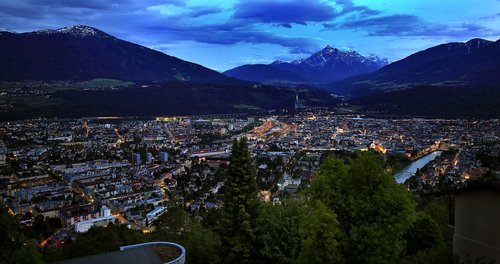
[224,34]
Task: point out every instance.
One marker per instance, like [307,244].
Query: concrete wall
[179,260]
[477,225]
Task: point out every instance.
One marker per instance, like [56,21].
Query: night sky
[225,34]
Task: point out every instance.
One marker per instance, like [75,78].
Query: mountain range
[53,72]
[327,65]
[472,63]
[80,71]
[83,53]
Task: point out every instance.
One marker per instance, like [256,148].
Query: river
[410,170]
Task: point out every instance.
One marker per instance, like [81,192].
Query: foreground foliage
[353,212]
[14,248]
[373,211]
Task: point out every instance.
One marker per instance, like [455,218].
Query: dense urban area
[64,178]
[250,132]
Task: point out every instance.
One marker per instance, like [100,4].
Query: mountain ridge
[82,53]
[473,62]
[75,30]
[434,102]
[328,64]
[46,74]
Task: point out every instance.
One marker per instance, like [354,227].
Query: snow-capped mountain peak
[295,62]
[328,49]
[330,55]
[278,62]
[80,30]
[76,31]
[7,30]
[377,60]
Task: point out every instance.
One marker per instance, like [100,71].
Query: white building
[84,226]
[153,215]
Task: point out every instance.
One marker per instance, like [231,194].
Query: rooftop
[146,253]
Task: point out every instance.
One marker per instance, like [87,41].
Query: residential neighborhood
[95,171]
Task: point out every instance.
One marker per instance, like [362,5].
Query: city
[92,172]
[250,131]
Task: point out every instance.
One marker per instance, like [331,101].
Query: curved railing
[179,260]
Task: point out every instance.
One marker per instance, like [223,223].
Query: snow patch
[77,31]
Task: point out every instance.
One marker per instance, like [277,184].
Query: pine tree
[240,205]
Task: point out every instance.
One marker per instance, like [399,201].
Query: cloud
[172,23]
[49,8]
[382,25]
[250,60]
[408,25]
[155,21]
[19,10]
[491,16]
[284,11]
[150,26]
[230,34]
[27,15]
[285,25]
[203,11]
[348,7]
[90,4]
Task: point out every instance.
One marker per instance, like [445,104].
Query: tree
[41,226]
[279,235]
[202,245]
[320,234]
[240,205]
[434,246]
[327,185]
[13,245]
[424,234]
[373,211]
[379,212]
[173,224]
[438,210]
[425,244]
